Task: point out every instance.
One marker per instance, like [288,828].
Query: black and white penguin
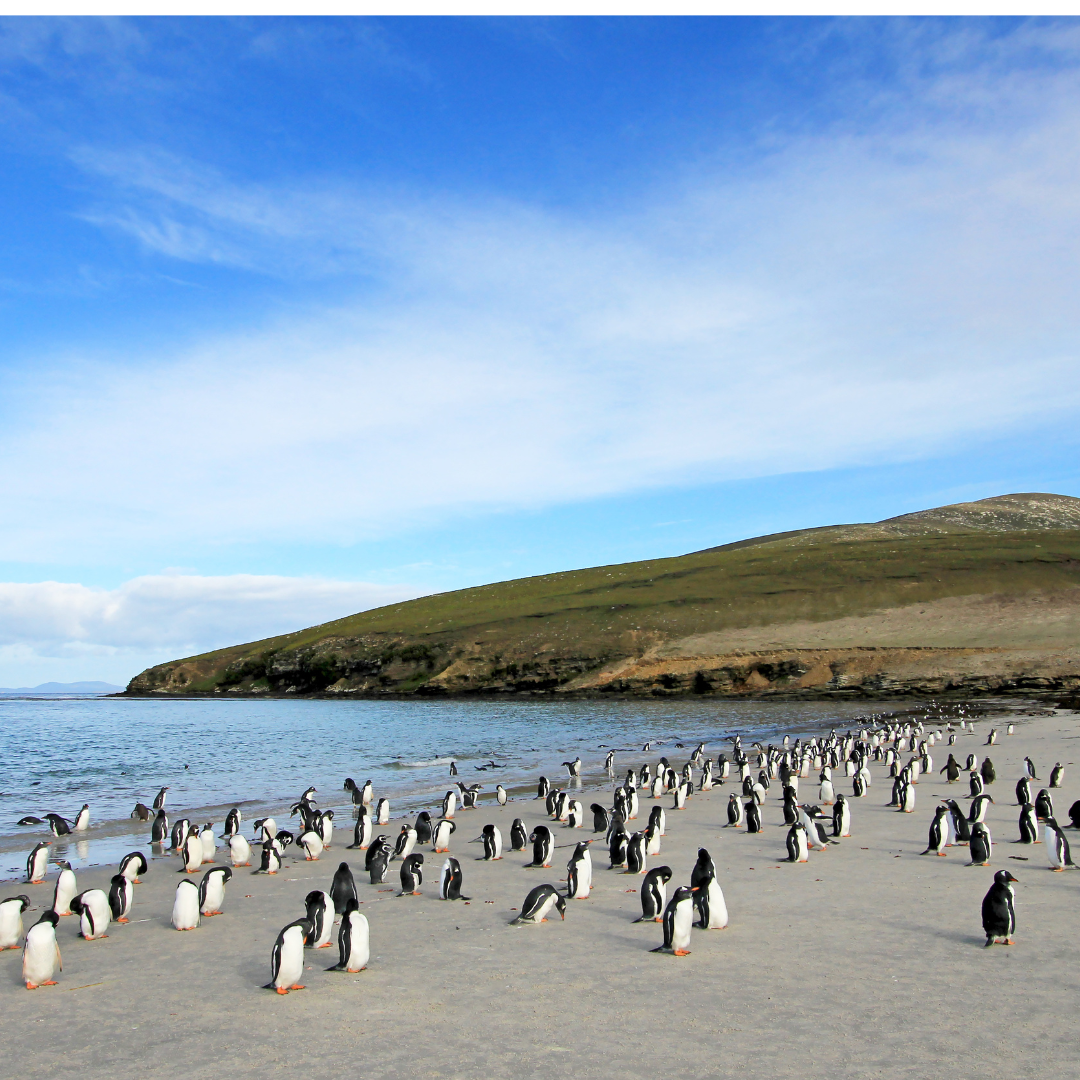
[561,810]
[412,875]
[287,957]
[212,890]
[981,844]
[232,823]
[678,921]
[37,863]
[542,787]
[1023,790]
[159,799]
[1057,846]
[491,838]
[180,831]
[679,798]
[543,844]
[312,844]
[382,811]
[576,818]
[132,865]
[709,900]
[450,880]
[60,826]
[453,768]
[185,912]
[423,827]
[796,843]
[1074,814]
[440,835]
[579,873]
[617,843]
[41,954]
[192,852]
[975,784]
[573,768]
[999,909]
[121,897]
[538,904]
[159,831]
[378,859]
[209,842]
[94,913]
[791,806]
[449,804]
[239,850]
[979,805]
[972,763]
[367,793]
[351,786]
[354,949]
[1044,805]
[11,923]
[518,836]
[939,832]
[406,841]
[270,862]
[753,817]
[320,917]
[841,818]
[325,827]
[961,829]
[29,819]
[1029,825]
[343,888]
[635,854]
[907,799]
[82,819]
[654,894]
[652,839]
[658,817]
[1057,774]
[500,794]
[951,769]
[365,829]
[1030,766]
[736,813]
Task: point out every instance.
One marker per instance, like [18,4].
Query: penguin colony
[698,903]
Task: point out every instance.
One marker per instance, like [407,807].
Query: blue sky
[302,316]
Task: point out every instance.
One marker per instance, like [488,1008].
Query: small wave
[420,764]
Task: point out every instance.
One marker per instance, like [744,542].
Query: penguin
[232,822]
[826,794]
[179,834]
[354,949]
[543,843]
[60,826]
[11,924]
[343,888]
[1023,790]
[576,817]
[29,820]
[538,904]
[159,831]
[987,771]
[518,836]
[41,954]
[975,784]
[367,793]
[1030,766]
[617,843]
[412,875]
[82,819]
[961,828]
[132,865]
[121,897]
[364,829]
[999,909]
[350,786]
[972,763]
[66,888]
[212,890]
[635,854]
[579,873]
[239,850]
[951,769]
[326,827]
[753,817]
[542,787]
[656,789]
[981,844]
[382,812]
[453,768]
[287,957]
[192,853]
[1044,805]
[841,819]
[500,794]
[449,804]
[406,841]
[94,913]
[652,839]
[939,832]
[209,842]
[491,838]
[791,806]
[37,863]
[654,894]
[267,828]
[680,797]
[678,920]
[1057,774]
[159,799]
[312,844]
[659,818]
[1057,846]
[561,810]
[907,799]
[736,813]
[1029,826]
[796,843]
[816,836]
[320,917]
[271,860]
[978,808]
[185,912]
[709,901]
[609,763]
[573,768]
[440,836]
[423,827]
[377,862]
[1074,814]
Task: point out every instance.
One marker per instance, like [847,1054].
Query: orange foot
[122,919]
[49,982]
[282,990]
[682,952]
[296,986]
[1058,869]
[942,855]
[324,945]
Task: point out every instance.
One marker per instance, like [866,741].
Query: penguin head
[351,905]
[1003,877]
[51,917]
[24,901]
[560,904]
[63,864]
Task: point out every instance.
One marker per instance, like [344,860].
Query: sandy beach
[868,961]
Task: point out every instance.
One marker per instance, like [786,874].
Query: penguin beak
[1011,878]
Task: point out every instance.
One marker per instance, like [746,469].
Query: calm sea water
[260,755]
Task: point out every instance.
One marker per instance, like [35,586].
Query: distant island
[973,598]
[49,689]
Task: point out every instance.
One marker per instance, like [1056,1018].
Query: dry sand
[868,961]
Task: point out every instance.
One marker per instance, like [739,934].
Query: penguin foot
[1008,941]
[281,989]
[681,952]
[324,945]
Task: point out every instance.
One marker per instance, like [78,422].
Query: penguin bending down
[287,957]
[491,838]
[377,862]
[1057,846]
[538,903]
[343,888]
[543,844]
[121,896]
[41,954]
[981,845]
[66,889]
[841,817]
[1029,826]
[239,850]
[796,843]
[450,881]
[518,836]
[365,829]
[132,865]
[312,844]
[654,894]
[94,913]
[579,873]
[412,875]
[271,860]
[185,912]
[354,949]
[999,909]
[11,924]
[320,917]
[678,920]
[440,836]
[939,832]
[37,863]
[212,890]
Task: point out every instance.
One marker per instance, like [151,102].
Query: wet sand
[868,961]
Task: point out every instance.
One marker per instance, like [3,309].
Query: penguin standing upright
[159,831]
[1057,774]
[287,957]
[212,890]
[980,845]
[121,897]
[1023,790]
[343,888]
[1044,805]
[192,852]
[365,829]
[939,832]
[491,838]
[179,834]
[320,917]
[500,794]
[185,912]
[617,841]
[961,829]
[518,836]
[449,804]
[999,909]
[11,924]
[406,841]
[1030,766]
[270,862]
[378,859]
[736,813]
[635,854]
[37,863]
[978,808]
[1057,846]
[423,827]
[94,913]
[232,822]
[41,954]
[708,897]
[678,921]
[66,889]
[543,844]
[82,819]
[1029,825]
[841,817]
[209,842]
[354,949]
[440,836]
[579,873]
[538,904]
[450,880]
[412,875]
[753,817]
[975,784]
[653,894]
[796,843]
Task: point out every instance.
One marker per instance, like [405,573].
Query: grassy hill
[796,591]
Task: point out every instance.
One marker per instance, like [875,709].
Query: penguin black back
[343,889]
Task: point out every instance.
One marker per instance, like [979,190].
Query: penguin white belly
[66,888]
[96,915]
[291,965]
[40,955]
[215,894]
[209,845]
[718,912]
[359,943]
[239,850]
[192,853]
[185,912]
[825,793]
[682,922]
[652,845]
[11,924]
[312,845]
[542,910]
[1055,850]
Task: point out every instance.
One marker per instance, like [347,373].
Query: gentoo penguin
[1057,846]
[66,889]
[271,860]
[406,841]
[82,819]
[709,901]
[121,897]
[326,827]
[791,806]
[365,829]
[537,905]
[1030,766]
[29,820]
[796,843]
[518,836]
[939,832]
[736,813]
[209,842]
[753,817]
[378,859]
[267,828]
[491,838]
[617,842]
[826,794]
[500,794]
[573,768]
[412,875]
[159,831]
[343,888]
[351,787]
[232,822]
[1023,790]
[656,789]
[609,763]
[354,949]
[11,924]
[60,826]
[991,739]
[951,769]
[659,818]
[678,919]
[1044,805]
[367,793]
[542,787]
[185,912]
[180,831]
[287,958]
[382,812]
[94,913]
[972,763]
[576,818]
[239,850]
[440,836]
[132,865]
[449,804]
[423,827]
[41,954]
[453,768]
[212,890]
[978,808]
[654,894]
[975,784]
[543,844]
[652,839]
[312,844]
[680,798]
[999,909]
[159,799]
[961,829]
[1029,825]
[841,818]
[450,880]
[192,853]
[987,771]
[561,810]
[1057,774]
[320,917]
[635,854]
[634,804]
[816,836]
[980,845]
[907,799]
[37,863]
[579,873]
